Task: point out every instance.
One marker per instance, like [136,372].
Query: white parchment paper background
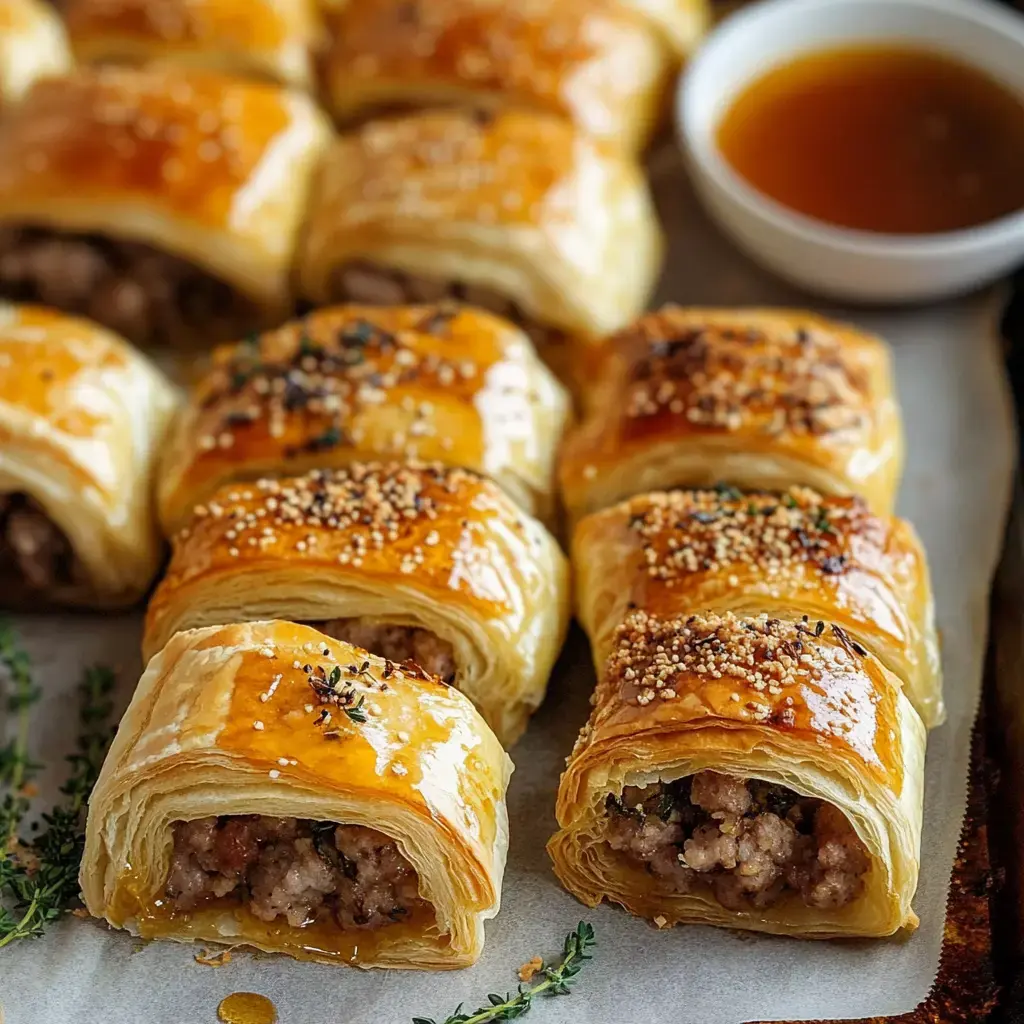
[960,454]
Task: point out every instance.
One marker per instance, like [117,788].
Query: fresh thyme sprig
[555,982]
[39,878]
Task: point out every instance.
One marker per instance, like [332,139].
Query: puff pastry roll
[82,415]
[763,399]
[411,561]
[273,787]
[32,45]
[428,382]
[745,772]
[161,203]
[268,39]
[789,556]
[516,212]
[590,61]
[682,22]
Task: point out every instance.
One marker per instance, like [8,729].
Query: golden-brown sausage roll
[428,382]
[789,556]
[516,212]
[161,203]
[270,39]
[32,45]
[682,22]
[273,787]
[411,561]
[82,415]
[590,61]
[763,399]
[748,773]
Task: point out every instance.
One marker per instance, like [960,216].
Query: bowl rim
[701,148]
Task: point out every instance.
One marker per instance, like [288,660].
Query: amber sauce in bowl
[889,139]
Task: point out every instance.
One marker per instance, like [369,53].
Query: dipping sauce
[880,138]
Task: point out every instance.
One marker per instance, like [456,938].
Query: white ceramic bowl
[840,262]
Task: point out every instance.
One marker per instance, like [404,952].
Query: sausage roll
[32,45]
[82,415]
[791,556]
[166,203]
[763,399]
[411,561]
[269,39]
[681,22]
[429,382]
[515,212]
[751,773]
[590,61]
[273,787]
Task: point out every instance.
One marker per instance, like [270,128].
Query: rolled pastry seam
[351,383]
[82,416]
[162,203]
[792,555]
[515,212]
[216,814]
[748,773]
[411,561]
[596,64]
[33,45]
[761,399]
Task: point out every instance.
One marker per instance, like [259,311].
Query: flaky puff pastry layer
[422,767]
[518,203]
[786,555]
[353,382]
[401,544]
[763,399]
[269,39]
[82,416]
[203,166]
[33,44]
[679,696]
[595,63]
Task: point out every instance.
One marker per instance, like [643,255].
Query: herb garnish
[555,982]
[39,877]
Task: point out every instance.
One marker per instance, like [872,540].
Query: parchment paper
[960,453]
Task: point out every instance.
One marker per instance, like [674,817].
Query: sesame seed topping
[274,773]
[258,725]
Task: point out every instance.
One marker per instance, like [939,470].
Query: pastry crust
[269,39]
[788,556]
[763,399]
[833,726]
[683,22]
[202,166]
[32,45]
[519,204]
[594,63]
[407,545]
[350,383]
[187,748]
[82,415]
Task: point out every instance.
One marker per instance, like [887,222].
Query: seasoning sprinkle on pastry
[273,787]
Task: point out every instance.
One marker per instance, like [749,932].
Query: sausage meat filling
[396,643]
[35,556]
[292,868]
[751,842]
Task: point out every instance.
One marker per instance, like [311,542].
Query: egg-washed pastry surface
[273,787]
[761,399]
[340,385]
[162,203]
[82,416]
[412,561]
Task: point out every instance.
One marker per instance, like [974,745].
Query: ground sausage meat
[373,285]
[751,842]
[396,643]
[148,296]
[33,551]
[289,868]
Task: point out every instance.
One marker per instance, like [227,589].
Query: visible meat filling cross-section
[396,643]
[751,842]
[35,555]
[148,296]
[292,868]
